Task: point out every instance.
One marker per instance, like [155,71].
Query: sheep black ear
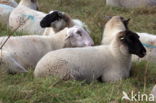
[127,20]
[50,18]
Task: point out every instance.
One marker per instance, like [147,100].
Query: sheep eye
[79,32]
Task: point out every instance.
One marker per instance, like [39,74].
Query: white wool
[5,11]
[11,3]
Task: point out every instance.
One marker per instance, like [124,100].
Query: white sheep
[25,13]
[117,24]
[107,62]
[5,11]
[149,41]
[22,52]
[131,3]
[11,3]
[50,30]
[33,17]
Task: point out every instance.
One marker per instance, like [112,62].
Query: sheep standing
[107,62]
[20,53]
[11,3]
[131,3]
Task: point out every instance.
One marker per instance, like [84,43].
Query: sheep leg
[10,65]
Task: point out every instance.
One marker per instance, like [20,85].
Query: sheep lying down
[106,63]
[7,6]
[20,53]
[51,23]
[5,11]
[11,3]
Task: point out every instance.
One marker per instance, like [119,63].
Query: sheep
[131,3]
[11,3]
[50,31]
[20,53]
[6,10]
[154,92]
[149,41]
[4,14]
[32,25]
[107,63]
[118,23]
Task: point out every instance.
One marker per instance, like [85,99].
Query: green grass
[23,88]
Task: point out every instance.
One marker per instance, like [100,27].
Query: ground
[24,88]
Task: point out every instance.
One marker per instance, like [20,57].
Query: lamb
[107,63]
[131,3]
[11,3]
[6,10]
[20,53]
[149,41]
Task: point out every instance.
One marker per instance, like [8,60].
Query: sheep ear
[121,35]
[45,21]
[127,20]
[67,36]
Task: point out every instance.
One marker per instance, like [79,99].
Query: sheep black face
[50,18]
[132,42]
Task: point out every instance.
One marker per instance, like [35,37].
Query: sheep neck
[58,41]
[119,51]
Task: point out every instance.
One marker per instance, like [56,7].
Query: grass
[23,88]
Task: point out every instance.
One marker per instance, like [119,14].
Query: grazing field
[23,88]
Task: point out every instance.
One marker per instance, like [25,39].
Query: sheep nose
[89,43]
[144,53]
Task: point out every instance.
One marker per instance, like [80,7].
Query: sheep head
[56,19]
[131,42]
[78,37]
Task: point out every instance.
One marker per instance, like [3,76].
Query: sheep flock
[60,45]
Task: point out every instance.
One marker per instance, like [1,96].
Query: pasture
[23,88]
